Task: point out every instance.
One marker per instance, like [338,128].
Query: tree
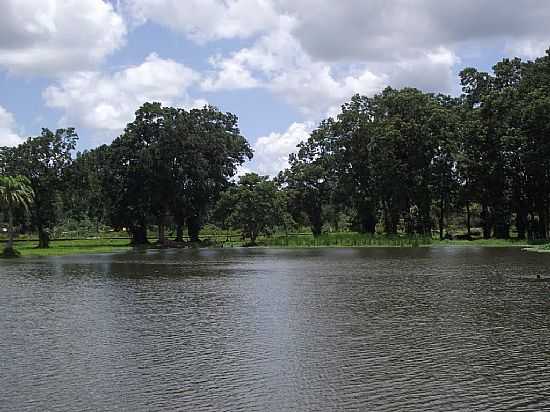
[208,148]
[255,206]
[15,193]
[170,163]
[43,160]
[311,179]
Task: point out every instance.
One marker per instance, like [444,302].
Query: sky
[280,65]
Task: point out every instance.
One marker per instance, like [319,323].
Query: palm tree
[15,193]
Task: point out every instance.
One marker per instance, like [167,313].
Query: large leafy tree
[170,163]
[208,149]
[254,206]
[310,181]
[44,161]
[15,194]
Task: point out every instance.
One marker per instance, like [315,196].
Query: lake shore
[99,246]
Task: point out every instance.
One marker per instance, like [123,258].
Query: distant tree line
[406,159]
[400,161]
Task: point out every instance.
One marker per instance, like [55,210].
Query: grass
[483,242]
[543,248]
[73,247]
[345,239]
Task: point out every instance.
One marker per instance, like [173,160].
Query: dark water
[275,330]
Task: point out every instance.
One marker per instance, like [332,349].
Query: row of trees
[407,158]
[169,165]
[402,160]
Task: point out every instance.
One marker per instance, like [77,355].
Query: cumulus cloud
[314,53]
[48,36]
[379,30]
[228,74]
[271,151]
[108,100]
[204,20]
[276,61]
[8,134]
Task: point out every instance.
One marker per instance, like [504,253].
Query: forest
[401,162]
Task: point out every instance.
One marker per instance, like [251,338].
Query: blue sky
[280,65]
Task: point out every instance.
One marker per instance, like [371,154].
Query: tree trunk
[162,234]
[487,224]
[391,218]
[521,223]
[43,238]
[193,228]
[425,225]
[179,233]
[501,222]
[441,218]
[539,225]
[367,217]
[139,235]
[368,223]
[161,230]
[316,222]
[11,234]
[468,219]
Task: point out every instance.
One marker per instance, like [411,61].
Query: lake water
[446,329]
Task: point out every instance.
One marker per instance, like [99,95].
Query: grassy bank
[482,242]
[73,247]
[364,240]
[538,248]
[347,239]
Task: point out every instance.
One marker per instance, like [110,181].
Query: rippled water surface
[276,330]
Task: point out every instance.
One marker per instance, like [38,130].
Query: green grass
[345,239]
[482,242]
[350,239]
[544,248]
[73,247]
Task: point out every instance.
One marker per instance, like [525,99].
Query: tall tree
[171,162]
[15,193]
[43,160]
[255,206]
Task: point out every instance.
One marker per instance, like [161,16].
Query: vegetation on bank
[27,248]
[402,163]
[15,194]
[73,247]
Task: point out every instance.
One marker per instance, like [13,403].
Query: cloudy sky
[280,65]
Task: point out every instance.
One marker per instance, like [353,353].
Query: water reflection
[256,329]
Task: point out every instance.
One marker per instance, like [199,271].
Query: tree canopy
[400,161]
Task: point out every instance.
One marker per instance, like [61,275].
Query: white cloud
[204,20]
[229,74]
[48,36]
[271,152]
[8,134]
[276,61]
[528,48]
[381,30]
[108,101]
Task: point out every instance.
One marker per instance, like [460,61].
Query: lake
[378,329]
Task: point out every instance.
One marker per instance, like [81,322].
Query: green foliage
[345,239]
[255,206]
[15,193]
[74,247]
[168,163]
[43,160]
[402,162]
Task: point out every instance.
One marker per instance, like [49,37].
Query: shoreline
[99,246]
